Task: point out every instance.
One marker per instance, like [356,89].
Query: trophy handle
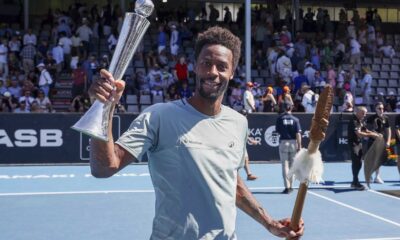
[95,122]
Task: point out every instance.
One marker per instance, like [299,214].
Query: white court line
[132,191]
[74,192]
[355,209]
[390,238]
[383,194]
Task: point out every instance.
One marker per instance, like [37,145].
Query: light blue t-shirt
[193,163]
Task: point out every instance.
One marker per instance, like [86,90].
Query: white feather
[307,167]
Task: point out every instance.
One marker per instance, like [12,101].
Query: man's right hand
[103,89]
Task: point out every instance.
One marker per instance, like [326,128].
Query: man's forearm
[103,160]
[248,204]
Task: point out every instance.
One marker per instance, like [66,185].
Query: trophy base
[90,133]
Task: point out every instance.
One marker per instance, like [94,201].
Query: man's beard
[211,95]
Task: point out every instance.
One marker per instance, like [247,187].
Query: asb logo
[271,137]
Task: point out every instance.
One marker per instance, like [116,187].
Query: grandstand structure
[385,70]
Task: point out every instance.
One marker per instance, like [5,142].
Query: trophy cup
[96,120]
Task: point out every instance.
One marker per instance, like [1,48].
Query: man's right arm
[107,158]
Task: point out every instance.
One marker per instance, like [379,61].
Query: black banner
[48,138]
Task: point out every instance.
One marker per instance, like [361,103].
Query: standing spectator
[112,40]
[356,131]
[379,123]
[3,57]
[309,100]
[366,86]
[28,54]
[331,76]
[174,42]
[30,38]
[15,45]
[284,67]
[85,33]
[58,55]
[248,99]
[214,15]
[78,80]
[227,16]
[289,129]
[309,72]
[45,79]
[181,72]
[76,42]
[161,39]
[268,100]
[355,51]
[66,44]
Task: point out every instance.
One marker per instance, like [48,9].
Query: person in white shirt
[387,51]
[85,32]
[366,86]
[29,37]
[58,55]
[309,72]
[174,42]
[309,100]
[3,57]
[284,67]
[355,51]
[248,98]
[44,79]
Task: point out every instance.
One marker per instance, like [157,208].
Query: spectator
[174,42]
[162,39]
[366,86]
[28,54]
[184,90]
[44,102]
[15,45]
[387,51]
[355,51]
[268,100]
[64,27]
[8,103]
[391,102]
[66,44]
[299,81]
[58,55]
[45,79]
[227,16]
[85,32]
[172,93]
[3,57]
[79,79]
[30,38]
[181,72]
[142,83]
[27,98]
[14,89]
[156,85]
[348,100]
[248,99]
[214,15]
[284,66]
[309,100]
[309,72]
[22,108]
[112,40]
[235,97]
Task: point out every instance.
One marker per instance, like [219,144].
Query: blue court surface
[65,202]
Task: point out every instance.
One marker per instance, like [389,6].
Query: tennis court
[65,202]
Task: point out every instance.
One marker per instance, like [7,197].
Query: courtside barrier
[48,139]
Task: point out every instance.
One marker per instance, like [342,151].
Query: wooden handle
[298,206]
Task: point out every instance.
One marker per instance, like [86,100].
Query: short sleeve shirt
[378,124]
[288,126]
[193,163]
[354,126]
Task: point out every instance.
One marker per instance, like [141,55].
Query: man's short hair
[221,36]
[361,108]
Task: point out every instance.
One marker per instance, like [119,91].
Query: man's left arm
[248,204]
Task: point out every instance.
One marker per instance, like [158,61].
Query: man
[248,98]
[289,129]
[356,131]
[309,100]
[194,174]
[45,79]
[379,123]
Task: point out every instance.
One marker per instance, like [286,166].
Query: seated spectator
[162,58]
[27,98]
[14,89]
[79,80]
[184,90]
[167,77]
[8,103]
[235,97]
[35,108]
[156,85]
[43,102]
[387,51]
[391,102]
[21,108]
[172,93]
[141,83]
[80,103]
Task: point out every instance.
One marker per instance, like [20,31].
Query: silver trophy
[96,120]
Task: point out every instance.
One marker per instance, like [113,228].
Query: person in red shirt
[181,70]
[78,80]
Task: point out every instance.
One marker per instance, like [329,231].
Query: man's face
[214,70]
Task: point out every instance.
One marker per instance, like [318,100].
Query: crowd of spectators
[68,45]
